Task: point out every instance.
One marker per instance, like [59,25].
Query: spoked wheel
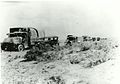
[20,48]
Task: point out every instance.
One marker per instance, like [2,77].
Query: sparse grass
[43,55]
[89,53]
[92,53]
[55,80]
[86,54]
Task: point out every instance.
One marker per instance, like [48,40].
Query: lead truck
[20,38]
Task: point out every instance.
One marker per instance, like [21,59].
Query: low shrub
[41,55]
[55,80]
[33,54]
[93,53]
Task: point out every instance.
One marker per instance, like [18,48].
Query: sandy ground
[14,70]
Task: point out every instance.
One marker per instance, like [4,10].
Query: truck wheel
[20,48]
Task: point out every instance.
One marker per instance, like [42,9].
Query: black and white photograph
[60,42]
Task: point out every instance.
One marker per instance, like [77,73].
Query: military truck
[71,39]
[20,38]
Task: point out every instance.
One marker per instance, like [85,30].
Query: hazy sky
[82,17]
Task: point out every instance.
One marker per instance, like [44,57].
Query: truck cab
[71,39]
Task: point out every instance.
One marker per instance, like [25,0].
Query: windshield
[17,35]
[71,38]
[17,30]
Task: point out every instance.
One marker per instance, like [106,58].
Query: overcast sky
[86,17]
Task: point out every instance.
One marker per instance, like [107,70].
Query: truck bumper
[8,46]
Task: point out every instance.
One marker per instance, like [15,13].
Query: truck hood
[15,40]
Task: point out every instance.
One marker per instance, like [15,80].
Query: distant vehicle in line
[71,39]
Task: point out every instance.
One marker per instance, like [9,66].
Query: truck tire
[20,47]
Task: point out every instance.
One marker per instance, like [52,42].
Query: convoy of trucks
[20,38]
